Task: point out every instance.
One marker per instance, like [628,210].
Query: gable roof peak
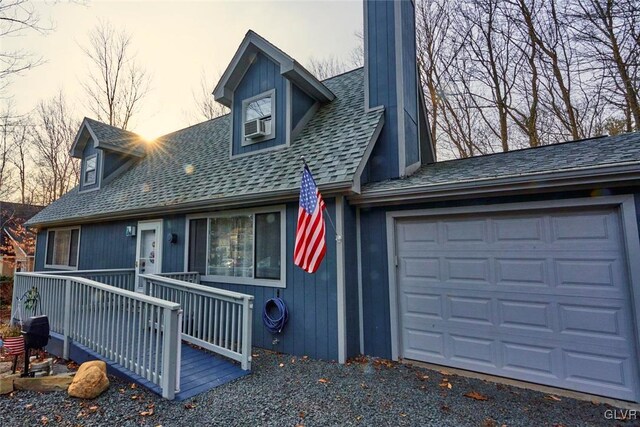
[107,137]
[251,45]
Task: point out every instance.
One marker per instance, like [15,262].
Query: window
[90,172]
[62,248]
[258,118]
[243,247]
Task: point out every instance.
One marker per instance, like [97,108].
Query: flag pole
[338,237]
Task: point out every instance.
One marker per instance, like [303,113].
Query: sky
[177,42]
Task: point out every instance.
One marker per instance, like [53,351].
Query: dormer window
[90,173]
[258,118]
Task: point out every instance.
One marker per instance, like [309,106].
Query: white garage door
[541,297]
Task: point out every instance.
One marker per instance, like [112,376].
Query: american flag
[310,242]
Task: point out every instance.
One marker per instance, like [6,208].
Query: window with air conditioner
[258,121]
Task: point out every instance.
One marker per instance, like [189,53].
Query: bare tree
[610,33]
[21,157]
[7,120]
[116,84]
[324,68]
[53,133]
[206,108]
[17,17]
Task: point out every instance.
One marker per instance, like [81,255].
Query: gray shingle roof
[193,165]
[589,153]
[116,137]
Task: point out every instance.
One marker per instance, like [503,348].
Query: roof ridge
[343,73]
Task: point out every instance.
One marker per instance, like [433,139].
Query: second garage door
[541,297]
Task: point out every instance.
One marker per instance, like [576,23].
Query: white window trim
[268,94]
[279,283]
[46,249]
[84,170]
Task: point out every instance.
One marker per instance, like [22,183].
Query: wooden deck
[200,370]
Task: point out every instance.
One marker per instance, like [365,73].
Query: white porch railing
[122,278]
[215,319]
[188,276]
[139,332]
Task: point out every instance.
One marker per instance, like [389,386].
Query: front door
[148,250]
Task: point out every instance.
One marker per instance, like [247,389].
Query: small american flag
[310,241]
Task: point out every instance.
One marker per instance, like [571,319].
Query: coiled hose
[275,324]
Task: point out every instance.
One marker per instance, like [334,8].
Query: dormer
[271,96]
[104,152]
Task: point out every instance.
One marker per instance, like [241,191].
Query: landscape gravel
[291,391]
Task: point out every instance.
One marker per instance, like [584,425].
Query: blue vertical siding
[410,78]
[351,281]
[381,73]
[383,53]
[262,75]
[112,161]
[300,104]
[375,286]
[173,253]
[104,245]
[90,150]
[311,298]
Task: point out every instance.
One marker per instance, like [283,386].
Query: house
[17,247]
[520,264]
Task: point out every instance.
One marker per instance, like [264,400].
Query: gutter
[619,174]
[247,200]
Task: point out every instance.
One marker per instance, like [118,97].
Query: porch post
[67,319]
[170,353]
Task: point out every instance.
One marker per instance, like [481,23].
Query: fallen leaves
[28,406]
[149,412]
[445,383]
[44,420]
[133,386]
[422,377]
[552,397]
[476,396]
[323,380]
[189,405]
[281,365]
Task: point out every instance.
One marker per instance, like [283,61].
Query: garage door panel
[593,322]
[527,315]
[521,230]
[474,270]
[531,271]
[424,305]
[421,267]
[534,360]
[422,343]
[583,228]
[469,309]
[472,349]
[467,231]
[589,272]
[539,296]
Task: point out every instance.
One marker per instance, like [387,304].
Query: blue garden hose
[275,325]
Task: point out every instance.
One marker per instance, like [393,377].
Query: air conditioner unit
[254,129]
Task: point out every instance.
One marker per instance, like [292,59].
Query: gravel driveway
[290,391]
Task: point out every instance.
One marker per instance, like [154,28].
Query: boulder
[43,384]
[90,380]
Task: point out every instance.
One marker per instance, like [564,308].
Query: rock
[43,384]
[6,383]
[5,367]
[90,380]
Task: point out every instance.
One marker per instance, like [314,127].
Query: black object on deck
[36,335]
